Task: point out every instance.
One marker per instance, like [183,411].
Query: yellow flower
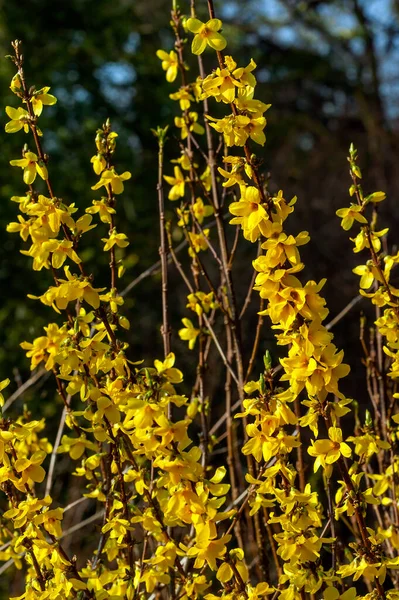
[198,242]
[111,178]
[75,446]
[170,64]
[99,163]
[30,468]
[367,274]
[118,239]
[113,298]
[227,83]
[31,166]
[368,444]
[51,521]
[206,33]
[201,210]
[237,129]
[329,451]
[184,97]
[189,123]
[102,207]
[200,302]
[332,593]
[42,98]
[362,240]
[60,251]
[19,119]
[350,214]
[3,385]
[207,547]
[177,182]
[249,212]
[189,333]
[167,369]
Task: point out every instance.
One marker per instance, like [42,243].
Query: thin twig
[25,386]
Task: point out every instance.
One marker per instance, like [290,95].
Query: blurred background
[328,67]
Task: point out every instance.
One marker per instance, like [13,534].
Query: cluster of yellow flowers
[164,531]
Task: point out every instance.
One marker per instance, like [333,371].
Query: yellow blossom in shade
[200,302]
[23,227]
[177,182]
[348,215]
[189,123]
[206,33]
[16,86]
[3,385]
[367,274]
[115,239]
[42,98]
[246,103]
[99,163]
[114,300]
[69,290]
[233,177]
[167,369]
[50,520]
[207,547]
[75,446]
[184,97]
[31,166]
[332,593]
[329,451]
[259,591]
[249,213]
[237,129]
[103,209]
[227,83]
[19,119]
[283,247]
[184,162]
[170,64]
[368,444]
[112,179]
[184,217]
[30,469]
[198,242]
[82,225]
[206,178]
[60,251]
[189,333]
[201,210]
[363,238]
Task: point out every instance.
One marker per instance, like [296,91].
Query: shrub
[303,510]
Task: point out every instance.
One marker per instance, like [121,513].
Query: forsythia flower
[348,215]
[115,239]
[112,179]
[329,451]
[3,385]
[189,333]
[201,210]
[42,98]
[177,182]
[19,119]
[208,548]
[206,33]
[189,123]
[198,242]
[31,166]
[170,64]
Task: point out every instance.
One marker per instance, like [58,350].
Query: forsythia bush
[306,511]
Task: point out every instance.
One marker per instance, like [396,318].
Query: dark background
[329,68]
